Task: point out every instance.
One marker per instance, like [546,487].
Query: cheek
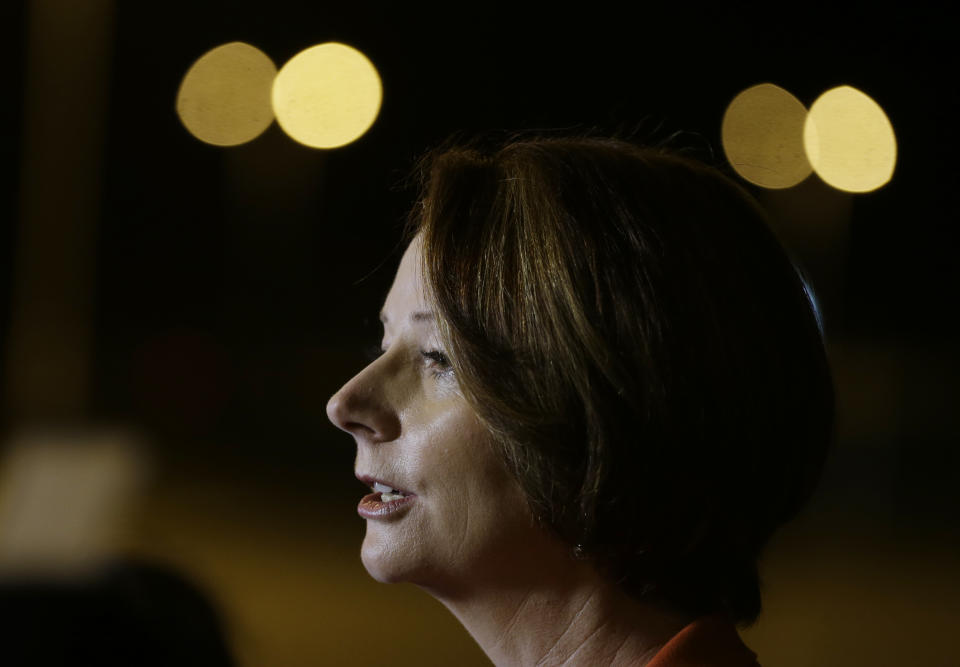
[483,504]
[458,460]
[472,500]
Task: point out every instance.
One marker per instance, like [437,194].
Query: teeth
[387,493]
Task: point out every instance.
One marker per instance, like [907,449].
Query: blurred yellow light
[850,140]
[762,135]
[225,96]
[327,96]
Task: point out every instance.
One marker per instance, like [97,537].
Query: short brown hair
[642,350]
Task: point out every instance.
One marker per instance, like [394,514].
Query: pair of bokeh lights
[772,140]
[330,94]
[326,96]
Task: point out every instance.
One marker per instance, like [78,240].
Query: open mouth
[385,502]
[387,493]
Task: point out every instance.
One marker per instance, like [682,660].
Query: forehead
[407,299]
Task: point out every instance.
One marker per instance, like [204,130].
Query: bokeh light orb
[327,95]
[849,140]
[762,136]
[224,98]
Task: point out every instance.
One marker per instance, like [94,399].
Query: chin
[379,570]
[385,564]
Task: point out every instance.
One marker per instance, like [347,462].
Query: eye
[437,360]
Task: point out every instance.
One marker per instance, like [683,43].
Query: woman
[602,387]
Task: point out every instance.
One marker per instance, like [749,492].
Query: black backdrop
[236,287]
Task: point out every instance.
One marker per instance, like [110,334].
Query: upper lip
[370,480]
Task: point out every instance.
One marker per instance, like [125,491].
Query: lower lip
[371,507]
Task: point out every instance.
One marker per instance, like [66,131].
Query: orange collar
[709,641]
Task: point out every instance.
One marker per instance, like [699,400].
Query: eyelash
[435,357]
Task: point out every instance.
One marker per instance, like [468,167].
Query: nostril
[357,429]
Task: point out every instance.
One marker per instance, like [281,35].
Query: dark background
[234,289]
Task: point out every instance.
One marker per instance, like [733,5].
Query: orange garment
[710,641]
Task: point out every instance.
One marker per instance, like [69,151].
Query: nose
[362,408]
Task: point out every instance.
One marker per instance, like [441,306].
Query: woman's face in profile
[456,514]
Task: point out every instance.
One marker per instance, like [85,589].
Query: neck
[554,610]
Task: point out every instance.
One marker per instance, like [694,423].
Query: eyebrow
[418,316]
